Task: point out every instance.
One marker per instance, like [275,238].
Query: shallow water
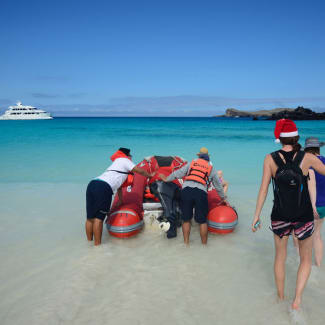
[50,274]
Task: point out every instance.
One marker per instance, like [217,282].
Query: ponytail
[296,147]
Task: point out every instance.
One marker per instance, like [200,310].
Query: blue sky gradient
[161,58]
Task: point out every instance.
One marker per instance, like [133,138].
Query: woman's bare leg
[318,242]
[295,241]
[305,251]
[279,263]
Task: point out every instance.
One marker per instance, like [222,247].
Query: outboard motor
[167,193]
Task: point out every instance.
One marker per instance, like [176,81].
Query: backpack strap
[277,159]
[299,157]
[297,161]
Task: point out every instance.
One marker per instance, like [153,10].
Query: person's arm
[317,164]
[163,177]
[179,173]
[262,194]
[142,172]
[225,185]
[217,185]
[312,191]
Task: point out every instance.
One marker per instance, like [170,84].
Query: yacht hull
[7,118]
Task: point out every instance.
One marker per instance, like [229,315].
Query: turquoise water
[50,275]
[77,149]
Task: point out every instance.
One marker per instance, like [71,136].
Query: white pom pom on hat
[285,128]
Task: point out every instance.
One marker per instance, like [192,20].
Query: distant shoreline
[223,116]
[299,113]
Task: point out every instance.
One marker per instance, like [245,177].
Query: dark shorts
[192,197]
[98,199]
[302,230]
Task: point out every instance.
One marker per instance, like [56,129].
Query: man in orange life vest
[100,191]
[198,175]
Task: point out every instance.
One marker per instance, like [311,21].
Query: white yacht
[22,112]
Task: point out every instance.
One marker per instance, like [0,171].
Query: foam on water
[297,317]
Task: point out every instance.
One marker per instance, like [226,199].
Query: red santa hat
[285,128]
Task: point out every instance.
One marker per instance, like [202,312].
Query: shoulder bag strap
[120,172]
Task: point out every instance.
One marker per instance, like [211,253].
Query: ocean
[50,274]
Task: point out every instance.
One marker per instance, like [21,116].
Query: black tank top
[292,212]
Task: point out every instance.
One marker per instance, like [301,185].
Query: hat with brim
[203,151]
[313,142]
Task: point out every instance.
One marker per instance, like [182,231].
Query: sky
[161,58]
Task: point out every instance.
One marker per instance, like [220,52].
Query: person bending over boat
[198,175]
[292,208]
[100,191]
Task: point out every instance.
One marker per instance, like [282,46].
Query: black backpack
[288,184]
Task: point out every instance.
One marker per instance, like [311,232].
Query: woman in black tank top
[292,210]
[296,205]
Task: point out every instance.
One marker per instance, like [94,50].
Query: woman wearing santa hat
[292,210]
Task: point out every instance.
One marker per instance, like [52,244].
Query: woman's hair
[313,150]
[293,141]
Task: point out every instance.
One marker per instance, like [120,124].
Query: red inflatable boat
[127,220]
[222,219]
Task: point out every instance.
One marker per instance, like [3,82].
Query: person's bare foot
[296,304]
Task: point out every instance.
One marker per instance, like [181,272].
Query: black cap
[125,150]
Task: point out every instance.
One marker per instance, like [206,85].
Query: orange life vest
[129,180]
[119,154]
[149,195]
[199,171]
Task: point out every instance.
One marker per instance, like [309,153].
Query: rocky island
[299,113]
